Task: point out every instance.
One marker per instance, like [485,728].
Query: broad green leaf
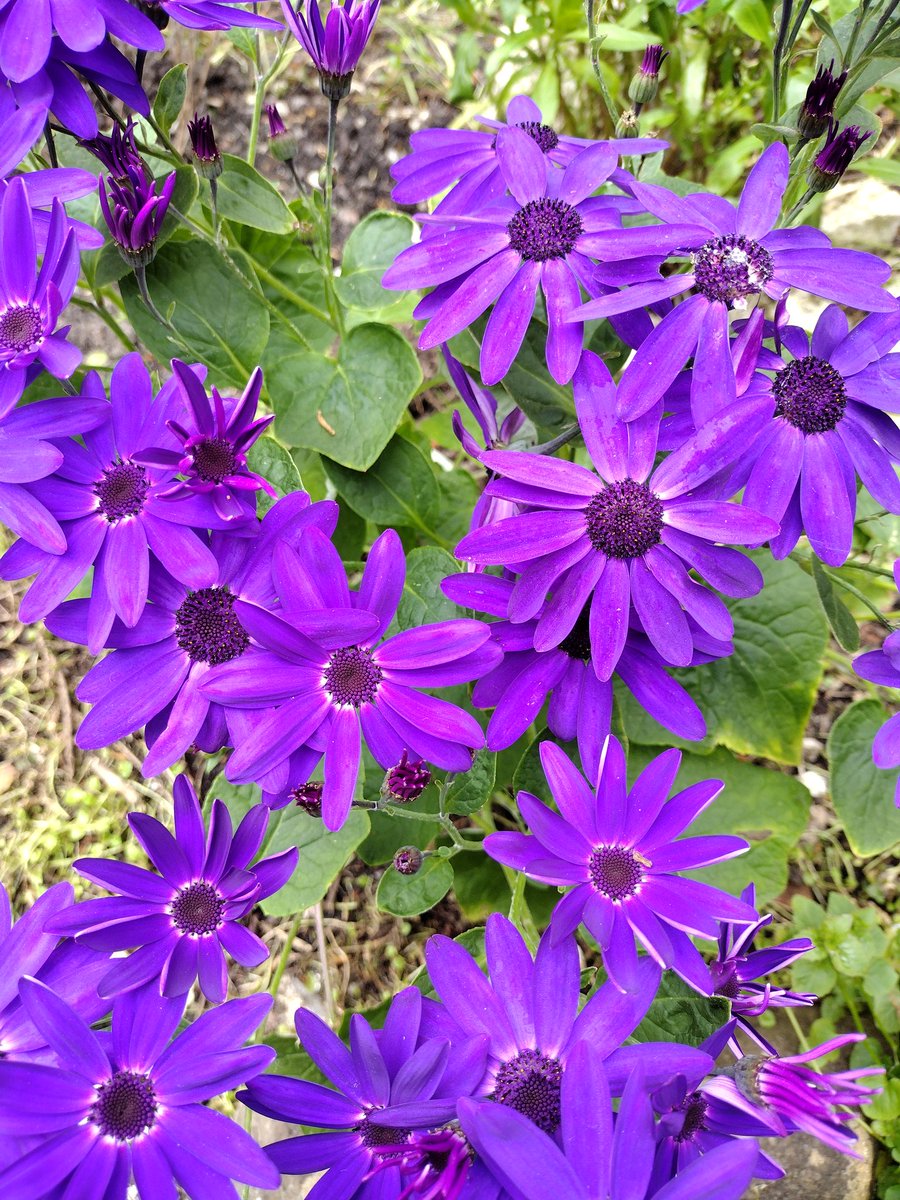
[679,1014]
[863,795]
[479,886]
[887,169]
[347,408]
[269,458]
[322,855]
[841,620]
[371,248]
[615,37]
[245,197]
[754,18]
[398,489]
[170,96]
[422,601]
[408,895]
[216,315]
[470,791]
[291,278]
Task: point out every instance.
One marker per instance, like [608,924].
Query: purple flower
[207,158]
[153,676]
[738,966]
[622,539]
[31,300]
[835,156]
[282,144]
[214,444]
[543,235]
[599,1156]
[117,151]
[883,667]
[618,847]
[406,781]
[580,703]
[645,83]
[20,128]
[817,108]
[72,971]
[335,45]
[184,918]
[433,1165]
[27,454]
[206,14]
[736,255]
[129,1105]
[112,510]
[345,681]
[134,212]
[388,1084]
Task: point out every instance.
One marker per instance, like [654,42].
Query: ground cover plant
[503,575]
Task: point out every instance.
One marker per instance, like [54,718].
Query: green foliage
[679,1014]
[399,488]
[244,196]
[170,96]
[408,895]
[270,459]
[862,794]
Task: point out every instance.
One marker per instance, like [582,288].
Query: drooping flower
[206,14]
[214,441]
[817,107]
[187,916]
[112,512]
[621,539]
[827,168]
[129,1106]
[318,694]
[618,847]
[542,236]
[386,1086]
[883,667]
[134,211]
[31,300]
[335,45]
[152,679]
[736,255]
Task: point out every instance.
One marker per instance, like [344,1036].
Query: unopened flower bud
[645,84]
[134,211]
[627,125]
[207,158]
[817,108]
[408,860]
[282,143]
[308,797]
[835,156]
[407,781]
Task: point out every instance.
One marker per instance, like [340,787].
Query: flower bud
[134,212]
[408,860]
[407,781]
[627,125]
[207,158]
[835,156]
[282,143]
[817,108]
[308,797]
[645,84]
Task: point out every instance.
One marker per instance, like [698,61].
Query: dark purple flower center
[615,872]
[726,980]
[214,459]
[20,327]
[543,135]
[810,395]
[731,267]
[577,643]
[197,909]
[530,1083]
[694,1108]
[374,1136]
[125,1106]
[544,229]
[122,491]
[207,629]
[625,519]
[308,796]
[352,676]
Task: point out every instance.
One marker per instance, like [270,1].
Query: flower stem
[595,43]
[328,192]
[787,9]
[284,957]
[140,275]
[328,993]
[213,199]
[561,439]
[799,207]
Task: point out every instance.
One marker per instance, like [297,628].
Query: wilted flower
[335,45]
[817,108]
[835,156]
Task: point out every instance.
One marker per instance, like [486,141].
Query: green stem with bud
[595,42]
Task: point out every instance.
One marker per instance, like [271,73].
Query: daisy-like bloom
[883,667]
[152,679]
[529,1011]
[817,108]
[214,441]
[736,256]
[618,847]
[386,1086]
[436,1165]
[184,918]
[336,44]
[128,1107]
[541,236]
[738,967]
[623,537]
[599,1155]
[31,300]
[112,511]
[205,14]
[580,703]
[72,971]
[134,212]
[332,688]
[28,452]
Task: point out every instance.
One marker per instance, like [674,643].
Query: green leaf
[754,18]
[408,895]
[841,620]
[170,97]
[863,795]
[217,316]
[398,489]
[479,886]
[887,169]
[422,601]
[679,1014]
[245,197]
[371,248]
[322,855]
[347,408]
[270,459]
[470,791]
[615,37]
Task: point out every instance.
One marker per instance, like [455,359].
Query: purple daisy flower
[32,300]
[184,918]
[128,1106]
[335,45]
[331,689]
[883,667]
[738,967]
[388,1084]
[618,847]
[20,128]
[736,255]
[134,211]
[28,452]
[213,447]
[207,14]
[622,539]
[600,1155]
[436,1164]
[541,236]
[153,676]
[113,512]
[72,971]
[580,703]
